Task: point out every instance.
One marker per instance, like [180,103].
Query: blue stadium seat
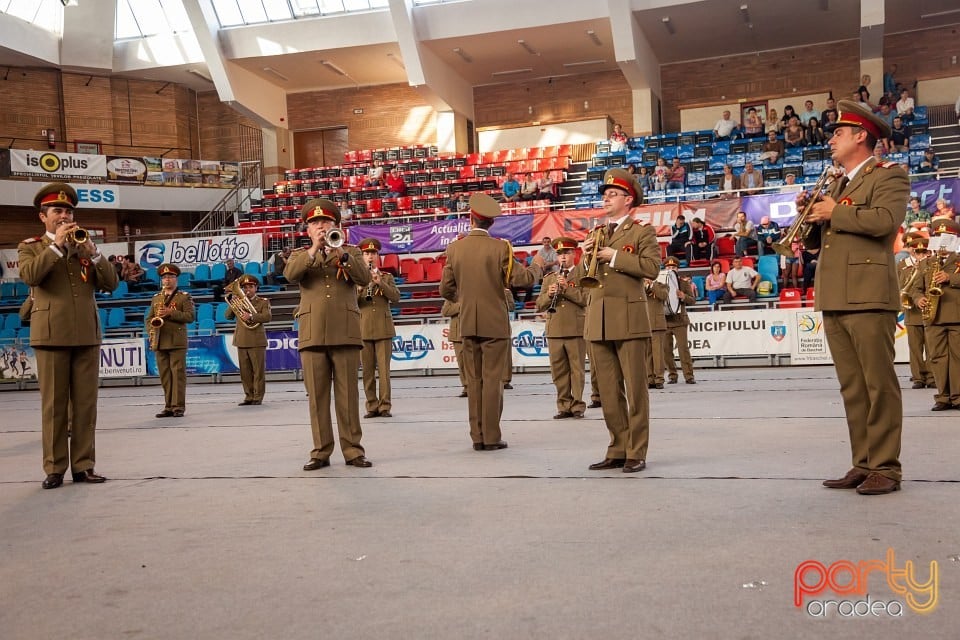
[701,282]
[685,152]
[122,290]
[8,291]
[768,268]
[21,290]
[218,272]
[201,275]
[205,310]
[220,313]
[920,141]
[12,321]
[721,148]
[206,327]
[151,275]
[185,280]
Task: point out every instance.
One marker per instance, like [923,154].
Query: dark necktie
[611,228]
[844,181]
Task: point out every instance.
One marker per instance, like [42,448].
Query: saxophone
[934,291]
[156,322]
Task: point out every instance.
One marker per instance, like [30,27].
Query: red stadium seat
[726,247]
[415,272]
[434,272]
[790,299]
[406,265]
[425,262]
[811,296]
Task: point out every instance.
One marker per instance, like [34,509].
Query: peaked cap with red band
[369,244]
[563,243]
[943,224]
[623,180]
[168,269]
[56,194]
[321,208]
[916,239]
[249,279]
[854,115]
[483,207]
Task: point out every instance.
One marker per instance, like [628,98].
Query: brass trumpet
[335,238]
[590,280]
[77,236]
[801,229]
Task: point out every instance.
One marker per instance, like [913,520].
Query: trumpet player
[171,310]
[329,273]
[564,303]
[909,271]
[940,278]
[64,269]
[617,325]
[377,331]
[250,339]
[855,225]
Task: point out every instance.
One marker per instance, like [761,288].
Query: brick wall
[922,55]
[22,222]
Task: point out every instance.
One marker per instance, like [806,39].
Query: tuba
[590,280]
[800,229]
[239,303]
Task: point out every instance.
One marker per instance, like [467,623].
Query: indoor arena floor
[208,527]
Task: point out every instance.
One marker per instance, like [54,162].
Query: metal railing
[224,214]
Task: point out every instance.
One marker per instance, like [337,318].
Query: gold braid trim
[510,259]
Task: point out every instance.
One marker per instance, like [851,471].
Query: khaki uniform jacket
[452,310]
[245,338]
[376,322]
[475,275]
[686,297]
[856,270]
[568,321]
[64,312]
[948,309]
[328,311]
[173,333]
[659,293]
[617,308]
[913,316]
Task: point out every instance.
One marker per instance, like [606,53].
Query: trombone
[590,280]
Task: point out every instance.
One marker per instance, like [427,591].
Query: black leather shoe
[651,385]
[690,381]
[166,413]
[931,385]
[919,385]
[88,476]
[463,394]
[608,463]
[507,385]
[594,404]
[359,461]
[371,414]
[502,444]
[244,403]
[178,413]
[386,414]
[672,381]
[478,446]
[316,463]
[52,481]
[941,406]
[563,414]
[578,414]
[256,402]
[658,385]
[632,466]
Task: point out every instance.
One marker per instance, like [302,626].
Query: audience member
[677,176]
[808,265]
[702,236]
[905,105]
[751,179]
[618,139]
[716,283]
[917,217]
[886,114]
[131,272]
[788,114]
[529,190]
[773,122]
[752,124]
[831,108]
[772,149]
[741,281]
[808,113]
[679,237]
[545,187]
[726,127]
[830,124]
[510,188]
[790,184]
[943,210]
[374,175]
[768,232]
[279,264]
[793,134]
[745,234]
[930,162]
[549,255]
[814,132]
[645,179]
[660,174]
[729,182]
[396,187]
[899,140]
[118,266]
[789,266]
[890,82]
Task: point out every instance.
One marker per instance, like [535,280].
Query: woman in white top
[905,105]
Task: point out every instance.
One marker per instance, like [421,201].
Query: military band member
[657,294]
[857,222]
[452,310]
[250,339]
[329,333]
[508,363]
[171,310]
[942,268]
[564,330]
[64,270]
[677,330]
[377,331]
[920,372]
[477,270]
[617,325]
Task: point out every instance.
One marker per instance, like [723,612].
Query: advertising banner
[732,333]
[528,344]
[932,190]
[189,252]
[127,170]
[54,165]
[781,208]
[122,358]
[417,237]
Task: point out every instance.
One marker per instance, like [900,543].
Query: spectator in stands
[716,283]
[899,140]
[773,122]
[660,174]
[808,113]
[726,127]
[677,176]
[772,149]
[233,272]
[905,105]
[793,134]
[917,217]
[930,162]
[679,237]
[943,210]
[768,232]
[529,189]
[788,114]
[745,234]
[790,184]
[830,124]
[396,187]
[549,255]
[752,124]
[117,262]
[132,273]
[831,108]
[741,281]
[375,175]
[702,236]
[645,179]
[886,113]
[729,182]
[751,179]
[510,188]
[890,82]
[862,97]
[545,186]
[618,139]
[279,264]
[808,265]
[814,132]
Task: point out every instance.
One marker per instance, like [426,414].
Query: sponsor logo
[414,348]
[778,331]
[151,254]
[52,163]
[530,345]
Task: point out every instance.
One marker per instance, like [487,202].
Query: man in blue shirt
[511,188]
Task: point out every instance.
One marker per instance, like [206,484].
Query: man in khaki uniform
[329,333]
[657,294]
[564,302]
[857,291]
[64,271]
[250,339]
[677,330]
[377,331]
[943,328]
[617,325]
[452,310]
[171,310]
[477,270]
[907,274]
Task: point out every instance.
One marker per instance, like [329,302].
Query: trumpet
[801,229]
[590,280]
[334,238]
[77,236]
